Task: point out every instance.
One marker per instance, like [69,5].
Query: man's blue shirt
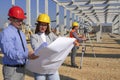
[11,46]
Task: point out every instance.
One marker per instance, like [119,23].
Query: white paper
[43,37]
[52,56]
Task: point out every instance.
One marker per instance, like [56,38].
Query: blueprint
[51,57]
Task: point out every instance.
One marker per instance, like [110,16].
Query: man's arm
[77,37]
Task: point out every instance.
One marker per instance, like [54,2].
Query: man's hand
[31,55]
[84,39]
[80,35]
[76,43]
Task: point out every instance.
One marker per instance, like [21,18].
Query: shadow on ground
[98,55]
[62,77]
[28,73]
[118,41]
[110,47]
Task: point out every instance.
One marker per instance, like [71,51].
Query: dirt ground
[105,66]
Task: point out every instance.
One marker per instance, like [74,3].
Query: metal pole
[46,6]
[37,8]
[74,17]
[100,32]
[80,25]
[83,52]
[119,21]
[13,2]
[57,18]
[57,15]
[112,27]
[65,17]
[28,11]
[83,49]
[71,19]
[91,44]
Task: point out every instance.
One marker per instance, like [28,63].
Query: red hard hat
[16,12]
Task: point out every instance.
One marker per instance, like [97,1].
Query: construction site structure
[27,31]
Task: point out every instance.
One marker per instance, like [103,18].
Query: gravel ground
[105,66]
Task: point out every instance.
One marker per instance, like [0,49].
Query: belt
[18,65]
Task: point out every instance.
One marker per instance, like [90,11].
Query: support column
[79,21]
[83,24]
[74,17]
[119,18]
[46,6]
[28,13]
[119,21]
[13,2]
[57,18]
[99,34]
[70,19]
[37,8]
[57,15]
[112,28]
[65,17]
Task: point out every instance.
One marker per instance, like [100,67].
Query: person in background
[79,38]
[43,37]
[14,46]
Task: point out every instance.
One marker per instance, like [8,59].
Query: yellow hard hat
[43,18]
[75,24]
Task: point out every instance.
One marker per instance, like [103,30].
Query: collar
[39,33]
[13,27]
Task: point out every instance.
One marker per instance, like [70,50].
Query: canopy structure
[90,12]
[94,11]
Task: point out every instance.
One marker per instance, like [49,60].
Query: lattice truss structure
[94,11]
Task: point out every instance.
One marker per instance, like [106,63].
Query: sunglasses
[18,20]
[42,24]
[15,19]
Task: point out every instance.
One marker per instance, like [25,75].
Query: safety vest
[71,36]
[71,33]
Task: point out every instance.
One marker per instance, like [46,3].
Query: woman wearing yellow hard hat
[43,37]
[78,37]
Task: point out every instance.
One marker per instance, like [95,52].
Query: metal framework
[94,11]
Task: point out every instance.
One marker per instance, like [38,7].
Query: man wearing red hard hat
[14,46]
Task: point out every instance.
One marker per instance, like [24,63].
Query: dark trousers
[73,55]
